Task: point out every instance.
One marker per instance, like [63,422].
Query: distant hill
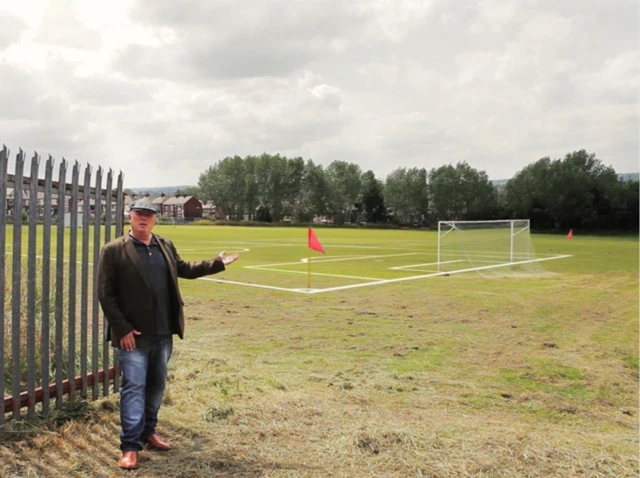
[167,190]
[624,177]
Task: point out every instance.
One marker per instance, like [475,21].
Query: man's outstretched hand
[226,260]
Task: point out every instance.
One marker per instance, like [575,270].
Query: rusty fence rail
[52,340]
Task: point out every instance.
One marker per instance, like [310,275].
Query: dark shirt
[155,266]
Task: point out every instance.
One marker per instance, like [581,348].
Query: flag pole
[309,270]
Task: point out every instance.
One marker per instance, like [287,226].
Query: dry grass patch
[451,377]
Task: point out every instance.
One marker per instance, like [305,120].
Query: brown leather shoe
[129,460]
[156,443]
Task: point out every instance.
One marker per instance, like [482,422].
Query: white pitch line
[419,270]
[435,274]
[420,265]
[336,259]
[348,258]
[384,281]
[260,286]
[252,243]
[467,253]
[299,244]
[217,249]
[321,274]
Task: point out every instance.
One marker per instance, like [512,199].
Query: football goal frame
[514,228]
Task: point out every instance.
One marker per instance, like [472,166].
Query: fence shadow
[84,442]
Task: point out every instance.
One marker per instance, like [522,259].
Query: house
[208,209]
[26,201]
[181,207]
[92,205]
[219,213]
[159,201]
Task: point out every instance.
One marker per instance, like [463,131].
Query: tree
[527,194]
[292,184]
[344,186]
[575,192]
[373,206]
[251,186]
[406,194]
[224,184]
[580,190]
[314,193]
[461,192]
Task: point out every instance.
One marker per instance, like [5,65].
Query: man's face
[142,222]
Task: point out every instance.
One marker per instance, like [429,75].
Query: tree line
[577,191]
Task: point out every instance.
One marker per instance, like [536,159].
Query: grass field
[372,374]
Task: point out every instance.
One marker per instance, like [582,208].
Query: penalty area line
[384,281]
[260,286]
[435,274]
[321,274]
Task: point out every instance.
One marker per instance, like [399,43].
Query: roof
[177,201]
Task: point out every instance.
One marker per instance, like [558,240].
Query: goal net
[501,247]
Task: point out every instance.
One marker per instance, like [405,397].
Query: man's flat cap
[144,204]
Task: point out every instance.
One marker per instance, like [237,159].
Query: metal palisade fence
[52,336]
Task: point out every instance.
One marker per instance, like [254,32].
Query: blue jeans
[144,375]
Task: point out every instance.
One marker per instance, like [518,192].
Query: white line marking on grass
[435,274]
[348,258]
[280,244]
[332,259]
[383,281]
[321,274]
[214,250]
[489,254]
[420,265]
[260,286]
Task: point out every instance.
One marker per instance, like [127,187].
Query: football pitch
[279,259]
[383,366]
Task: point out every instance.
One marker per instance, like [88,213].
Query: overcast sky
[162,89]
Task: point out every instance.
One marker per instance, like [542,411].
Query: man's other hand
[128,342]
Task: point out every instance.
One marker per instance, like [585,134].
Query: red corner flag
[570,235]
[314,243]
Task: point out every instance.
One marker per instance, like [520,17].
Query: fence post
[4,160]
[95,306]
[46,288]
[31,288]
[84,281]
[107,238]
[119,232]
[73,253]
[16,296]
[62,198]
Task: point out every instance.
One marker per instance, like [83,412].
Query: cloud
[102,91]
[223,40]
[60,27]
[11,30]
[163,89]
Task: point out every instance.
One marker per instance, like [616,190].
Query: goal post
[486,245]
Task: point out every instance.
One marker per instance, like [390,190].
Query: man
[139,294]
